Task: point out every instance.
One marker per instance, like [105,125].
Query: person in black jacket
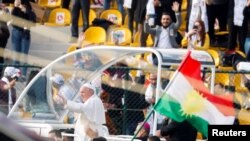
[179,131]
[4,36]
[23,19]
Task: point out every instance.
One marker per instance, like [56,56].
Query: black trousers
[219,12]
[66,3]
[3,43]
[131,15]
[236,33]
[78,5]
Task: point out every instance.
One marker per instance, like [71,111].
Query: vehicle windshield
[39,101]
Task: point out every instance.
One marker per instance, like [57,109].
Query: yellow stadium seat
[184,21]
[184,5]
[136,42]
[150,41]
[59,17]
[223,78]
[71,48]
[119,36]
[94,35]
[215,55]
[112,15]
[238,82]
[92,16]
[50,3]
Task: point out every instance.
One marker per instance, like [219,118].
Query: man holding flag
[186,99]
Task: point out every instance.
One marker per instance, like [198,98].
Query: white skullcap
[90,86]
[58,79]
[12,72]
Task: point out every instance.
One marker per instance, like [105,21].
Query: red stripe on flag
[191,69]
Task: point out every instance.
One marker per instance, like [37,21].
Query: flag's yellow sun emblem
[193,104]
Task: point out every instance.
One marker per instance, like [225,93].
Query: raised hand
[62,99]
[175,6]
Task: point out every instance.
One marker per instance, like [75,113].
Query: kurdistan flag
[187,98]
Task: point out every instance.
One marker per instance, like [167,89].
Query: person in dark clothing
[20,36]
[216,9]
[84,6]
[247,41]
[4,36]
[236,30]
[131,16]
[65,4]
[179,131]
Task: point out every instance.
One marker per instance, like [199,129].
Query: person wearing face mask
[164,36]
[197,38]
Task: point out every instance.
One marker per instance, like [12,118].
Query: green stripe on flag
[172,109]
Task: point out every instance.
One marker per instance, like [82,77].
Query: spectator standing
[91,113]
[247,42]
[237,25]
[140,14]
[7,89]
[4,36]
[21,30]
[164,36]
[130,5]
[216,9]
[79,6]
[197,10]
[66,3]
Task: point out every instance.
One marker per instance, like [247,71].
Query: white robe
[92,115]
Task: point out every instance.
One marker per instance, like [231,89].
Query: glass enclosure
[39,102]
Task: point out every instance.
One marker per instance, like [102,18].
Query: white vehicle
[85,65]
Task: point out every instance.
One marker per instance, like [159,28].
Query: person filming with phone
[196,38]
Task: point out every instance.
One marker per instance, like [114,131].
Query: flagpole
[145,120]
[174,76]
[176,72]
